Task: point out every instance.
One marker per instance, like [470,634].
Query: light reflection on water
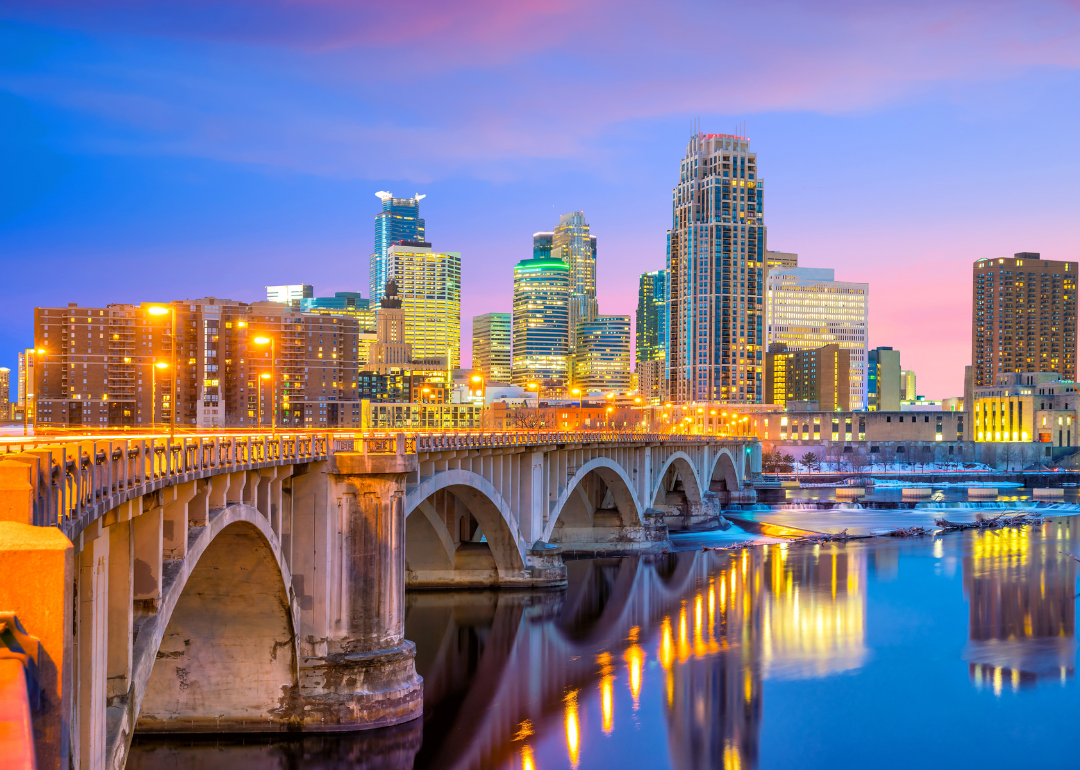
[769,657]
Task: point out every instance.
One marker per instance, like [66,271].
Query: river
[951,651]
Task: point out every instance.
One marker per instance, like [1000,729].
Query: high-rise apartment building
[541,318]
[715,262]
[884,390]
[908,390]
[572,243]
[289,293]
[819,375]
[429,286]
[491,346]
[1023,317]
[97,366]
[602,354]
[808,308]
[650,350]
[398,221]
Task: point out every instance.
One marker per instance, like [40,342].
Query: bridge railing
[76,480]
[434,442]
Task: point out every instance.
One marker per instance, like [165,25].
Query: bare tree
[1010,453]
[859,462]
[522,419]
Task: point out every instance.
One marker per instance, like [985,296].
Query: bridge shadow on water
[670,660]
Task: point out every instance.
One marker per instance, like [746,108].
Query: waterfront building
[808,308]
[572,243]
[491,346]
[819,375]
[429,288]
[652,338]
[602,354]
[715,263]
[1023,317]
[820,426]
[290,293]
[98,366]
[884,384]
[1028,406]
[907,385]
[398,221]
[541,318]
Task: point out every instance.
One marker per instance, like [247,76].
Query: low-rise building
[819,374]
[1028,406]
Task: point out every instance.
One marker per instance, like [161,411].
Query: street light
[577,392]
[158,310]
[273,385]
[536,386]
[28,379]
[263,376]
[153,391]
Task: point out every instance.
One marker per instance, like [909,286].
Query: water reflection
[697,644]
[1021,592]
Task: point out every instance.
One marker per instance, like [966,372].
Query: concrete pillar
[367,678]
[219,486]
[146,578]
[93,641]
[534,496]
[38,569]
[174,523]
[121,616]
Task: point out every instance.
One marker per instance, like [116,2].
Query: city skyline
[148,185]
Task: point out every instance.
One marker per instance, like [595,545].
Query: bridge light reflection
[607,695]
[527,761]
[573,728]
[635,659]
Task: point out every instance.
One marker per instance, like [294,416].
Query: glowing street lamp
[159,310]
[536,386]
[577,392]
[153,391]
[263,376]
[273,385]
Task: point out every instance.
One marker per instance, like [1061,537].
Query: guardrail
[76,479]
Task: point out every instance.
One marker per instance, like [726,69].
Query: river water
[953,651]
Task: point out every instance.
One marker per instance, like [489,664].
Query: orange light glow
[155,310]
[635,660]
[261,340]
[573,728]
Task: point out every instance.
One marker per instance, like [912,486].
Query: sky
[152,151]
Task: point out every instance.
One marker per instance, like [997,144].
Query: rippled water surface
[949,652]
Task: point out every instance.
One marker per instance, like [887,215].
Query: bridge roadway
[256,582]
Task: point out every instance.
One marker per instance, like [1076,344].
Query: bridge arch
[628,507]
[725,469]
[224,641]
[684,466]
[429,541]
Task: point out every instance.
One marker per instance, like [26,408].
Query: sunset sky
[165,150]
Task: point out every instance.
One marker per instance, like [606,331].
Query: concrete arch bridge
[256,583]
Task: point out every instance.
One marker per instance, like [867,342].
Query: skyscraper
[883,382]
[398,221]
[429,284]
[5,393]
[808,308]
[1023,317]
[715,261]
[602,353]
[491,337]
[652,336]
[541,319]
[572,243]
[542,245]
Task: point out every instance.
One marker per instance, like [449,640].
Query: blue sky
[152,151]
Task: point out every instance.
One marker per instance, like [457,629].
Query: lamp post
[153,391]
[273,385]
[28,379]
[159,310]
[577,392]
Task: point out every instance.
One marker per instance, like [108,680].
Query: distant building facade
[602,354]
[541,317]
[883,380]
[6,412]
[1028,406]
[491,346]
[287,294]
[1023,317]
[908,386]
[780,259]
[819,375]
[650,350]
[808,308]
[429,287]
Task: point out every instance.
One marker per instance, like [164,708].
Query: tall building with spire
[716,268]
[398,221]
